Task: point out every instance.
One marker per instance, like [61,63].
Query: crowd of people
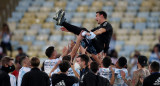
[77,69]
[83,63]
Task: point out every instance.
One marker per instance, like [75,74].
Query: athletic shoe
[61,18]
[55,17]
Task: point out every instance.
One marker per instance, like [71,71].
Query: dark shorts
[94,46]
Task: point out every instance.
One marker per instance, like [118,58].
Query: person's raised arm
[92,35]
[75,72]
[54,68]
[75,48]
[113,76]
[99,31]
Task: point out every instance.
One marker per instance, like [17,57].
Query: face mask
[77,66]
[9,68]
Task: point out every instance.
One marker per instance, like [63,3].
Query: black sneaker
[55,17]
[61,18]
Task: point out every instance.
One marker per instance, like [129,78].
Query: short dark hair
[106,62]
[94,66]
[35,62]
[49,51]
[122,61]
[67,58]
[64,66]
[22,59]
[5,60]
[19,48]
[85,58]
[142,60]
[155,66]
[102,13]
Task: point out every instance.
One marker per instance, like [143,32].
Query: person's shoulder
[27,74]
[146,79]
[11,75]
[103,80]
[2,73]
[55,75]
[105,23]
[43,73]
[73,78]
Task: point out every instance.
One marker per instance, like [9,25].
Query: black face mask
[9,68]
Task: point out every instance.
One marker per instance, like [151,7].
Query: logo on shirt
[157,82]
[61,83]
[105,24]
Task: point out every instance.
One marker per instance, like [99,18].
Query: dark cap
[142,60]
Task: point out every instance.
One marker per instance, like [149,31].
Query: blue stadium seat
[152,19]
[143,14]
[140,26]
[121,43]
[90,15]
[17,15]
[108,9]
[142,47]
[22,9]
[127,25]
[48,4]
[115,19]
[35,26]
[154,25]
[44,31]
[132,8]
[129,48]
[155,14]
[57,38]
[28,38]
[24,47]
[68,37]
[39,43]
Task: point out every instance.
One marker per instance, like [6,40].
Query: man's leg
[72,28]
[59,17]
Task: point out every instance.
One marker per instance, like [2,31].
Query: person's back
[62,79]
[154,78]
[91,79]
[58,79]
[4,79]
[120,66]
[7,66]
[105,71]
[35,77]
[26,63]
[49,64]
[118,77]
[142,73]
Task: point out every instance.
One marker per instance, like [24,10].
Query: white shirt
[105,72]
[118,78]
[12,79]
[22,71]
[49,64]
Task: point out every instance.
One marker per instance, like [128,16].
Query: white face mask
[77,66]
